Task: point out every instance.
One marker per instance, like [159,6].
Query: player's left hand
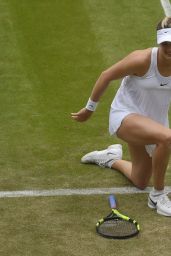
[82,115]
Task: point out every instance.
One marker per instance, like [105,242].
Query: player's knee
[141,185]
[166,141]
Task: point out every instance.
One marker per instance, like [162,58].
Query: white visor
[163,35]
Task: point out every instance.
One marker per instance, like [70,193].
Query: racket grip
[112,201]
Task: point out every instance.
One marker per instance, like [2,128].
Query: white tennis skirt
[116,117]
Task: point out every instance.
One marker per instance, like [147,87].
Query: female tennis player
[139,116]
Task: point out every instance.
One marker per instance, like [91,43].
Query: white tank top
[149,95]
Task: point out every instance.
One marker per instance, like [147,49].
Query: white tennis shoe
[161,203]
[104,158]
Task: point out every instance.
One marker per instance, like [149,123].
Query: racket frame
[115,214]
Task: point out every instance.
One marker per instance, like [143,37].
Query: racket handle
[112,201]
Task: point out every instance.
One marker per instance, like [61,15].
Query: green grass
[66,226]
[52,52]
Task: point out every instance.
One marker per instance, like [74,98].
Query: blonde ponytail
[164,23]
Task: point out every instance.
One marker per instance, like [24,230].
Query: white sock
[156,192]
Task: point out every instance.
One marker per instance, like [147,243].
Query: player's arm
[134,64]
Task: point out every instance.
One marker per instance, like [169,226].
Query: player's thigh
[141,165]
[141,130]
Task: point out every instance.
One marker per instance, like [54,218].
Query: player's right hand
[82,115]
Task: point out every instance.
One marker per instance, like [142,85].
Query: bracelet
[91,105]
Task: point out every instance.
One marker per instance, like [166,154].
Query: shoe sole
[151,206]
[163,213]
[158,211]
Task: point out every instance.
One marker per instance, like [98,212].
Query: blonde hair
[164,23]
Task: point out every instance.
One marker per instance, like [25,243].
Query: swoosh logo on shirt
[163,84]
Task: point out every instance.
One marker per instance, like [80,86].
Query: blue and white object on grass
[112,202]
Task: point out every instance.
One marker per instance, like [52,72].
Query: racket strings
[117,228]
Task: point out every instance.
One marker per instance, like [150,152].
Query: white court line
[70,192]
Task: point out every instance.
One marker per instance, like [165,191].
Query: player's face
[166,49]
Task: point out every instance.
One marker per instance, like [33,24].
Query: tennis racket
[117,225]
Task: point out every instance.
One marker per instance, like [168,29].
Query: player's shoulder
[139,61]
[141,56]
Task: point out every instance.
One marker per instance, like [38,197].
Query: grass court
[52,52]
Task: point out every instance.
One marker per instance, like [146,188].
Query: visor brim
[162,40]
